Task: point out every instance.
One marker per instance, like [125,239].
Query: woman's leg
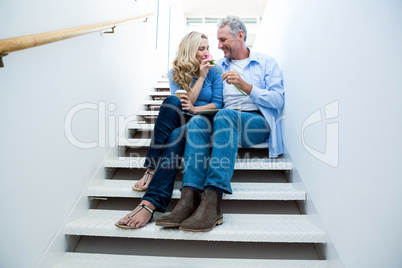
[169,118]
[161,187]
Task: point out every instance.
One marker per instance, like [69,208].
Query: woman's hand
[204,68]
[187,105]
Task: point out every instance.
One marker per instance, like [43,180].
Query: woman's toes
[122,221]
[133,224]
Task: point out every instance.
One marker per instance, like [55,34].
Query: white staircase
[262,226]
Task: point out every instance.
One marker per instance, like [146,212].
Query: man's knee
[226,113]
[226,116]
[200,122]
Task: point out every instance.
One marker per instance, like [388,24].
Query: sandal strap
[147,175]
[147,208]
[141,206]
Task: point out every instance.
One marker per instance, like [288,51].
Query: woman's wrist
[196,110]
[202,78]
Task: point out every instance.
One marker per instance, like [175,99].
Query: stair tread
[89,260]
[140,126]
[147,113]
[241,191]
[139,142]
[153,102]
[160,93]
[162,84]
[236,227]
[241,163]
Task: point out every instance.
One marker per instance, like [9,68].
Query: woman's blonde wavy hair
[186,63]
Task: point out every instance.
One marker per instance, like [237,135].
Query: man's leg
[197,151]
[229,127]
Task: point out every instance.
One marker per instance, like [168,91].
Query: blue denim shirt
[263,73]
[211,91]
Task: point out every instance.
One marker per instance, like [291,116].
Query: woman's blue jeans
[206,166]
[165,152]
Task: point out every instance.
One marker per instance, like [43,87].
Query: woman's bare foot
[142,184]
[140,219]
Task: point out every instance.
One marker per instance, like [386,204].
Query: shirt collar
[252,56]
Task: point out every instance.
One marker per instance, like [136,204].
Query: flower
[212,62]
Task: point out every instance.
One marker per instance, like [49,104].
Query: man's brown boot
[208,214]
[188,203]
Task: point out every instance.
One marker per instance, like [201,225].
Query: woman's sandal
[141,206]
[145,182]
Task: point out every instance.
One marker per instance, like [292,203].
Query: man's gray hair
[235,25]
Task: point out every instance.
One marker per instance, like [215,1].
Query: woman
[191,72]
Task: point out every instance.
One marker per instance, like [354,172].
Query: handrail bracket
[1,59]
[110,32]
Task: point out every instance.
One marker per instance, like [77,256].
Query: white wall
[169,40]
[170,24]
[43,174]
[347,53]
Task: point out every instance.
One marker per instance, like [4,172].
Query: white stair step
[140,126]
[241,164]
[235,228]
[241,191]
[152,102]
[162,85]
[86,260]
[147,113]
[140,142]
[164,94]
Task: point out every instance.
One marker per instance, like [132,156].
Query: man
[253,94]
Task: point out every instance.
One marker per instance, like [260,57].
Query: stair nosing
[241,191]
[241,163]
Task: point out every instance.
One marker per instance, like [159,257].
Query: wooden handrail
[28,41]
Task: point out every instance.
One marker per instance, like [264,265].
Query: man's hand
[232,77]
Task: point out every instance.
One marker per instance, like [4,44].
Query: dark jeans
[166,151]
